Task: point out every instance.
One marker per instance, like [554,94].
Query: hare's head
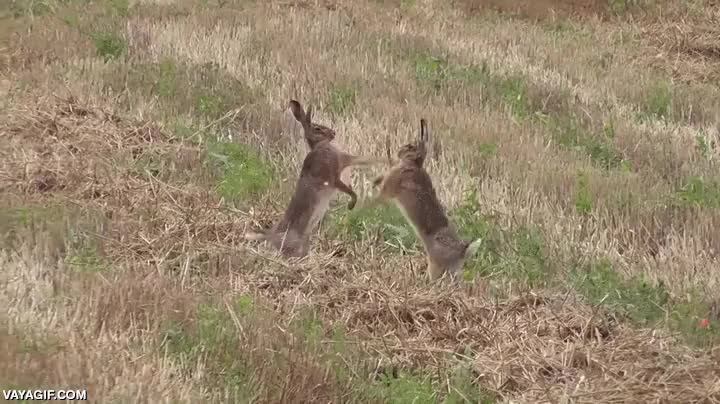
[314,132]
[416,152]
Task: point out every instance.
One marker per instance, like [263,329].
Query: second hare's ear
[297,111]
[308,115]
[424,133]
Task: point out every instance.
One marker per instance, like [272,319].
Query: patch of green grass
[646,304]
[108,45]
[119,7]
[658,102]
[244,304]
[407,4]
[385,222]
[525,101]
[565,28]
[702,146]
[699,192]
[167,78]
[635,298]
[409,387]
[15,217]
[464,390]
[83,254]
[243,173]
[570,134]
[341,100]
[513,90]
[621,7]
[31,8]
[685,316]
[405,389]
[309,327]
[528,262]
[437,73]
[203,91]
[430,70]
[213,336]
[517,255]
[583,198]
[487,149]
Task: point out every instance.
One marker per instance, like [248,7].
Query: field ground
[141,139]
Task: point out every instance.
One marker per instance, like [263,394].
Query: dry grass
[141,139]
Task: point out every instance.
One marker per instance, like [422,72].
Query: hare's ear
[424,133]
[297,111]
[308,115]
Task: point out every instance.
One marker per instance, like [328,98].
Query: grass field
[139,140]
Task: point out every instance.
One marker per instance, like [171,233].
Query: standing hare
[318,182]
[410,187]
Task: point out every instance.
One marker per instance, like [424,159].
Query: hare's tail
[256,235]
[472,248]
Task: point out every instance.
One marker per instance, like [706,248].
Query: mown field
[139,140]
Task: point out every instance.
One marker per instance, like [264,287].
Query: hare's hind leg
[348,160]
[343,187]
[434,271]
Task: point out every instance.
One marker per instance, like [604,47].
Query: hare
[410,187]
[320,178]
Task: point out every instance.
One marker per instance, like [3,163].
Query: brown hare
[410,187]
[320,178]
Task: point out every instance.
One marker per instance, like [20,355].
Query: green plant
[431,70]
[583,197]
[243,173]
[108,45]
[385,221]
[699,192]
[658,101]
[341,99]
[405,389]
[513,90]
[463,388]
[82,253]
[488,149]
[635,297]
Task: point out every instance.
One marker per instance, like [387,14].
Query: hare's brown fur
[410,187]
[320,178]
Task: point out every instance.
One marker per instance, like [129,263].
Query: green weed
[514,255]
[243,173]
[83,254]
[634,298]
[464,390]
[702,146]
[385,222]
[684,317]
[108,45]
[180,89]
[405,389]
[621,7]
[437,73]
[583,197]
[431,70]
[700,192]
[341,100]
[214,337]
[487,149]
[571,135]
[658,102]
[647,305]
[513,90]
[119,7]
